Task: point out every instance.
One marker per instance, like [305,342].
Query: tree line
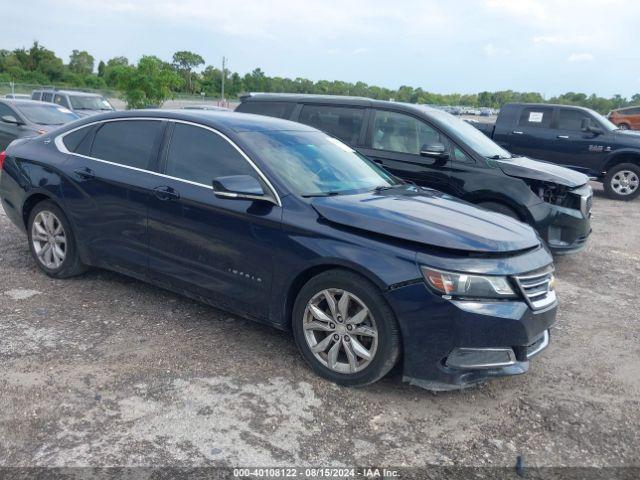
[152,81]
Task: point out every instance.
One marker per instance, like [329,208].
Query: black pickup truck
[574,137]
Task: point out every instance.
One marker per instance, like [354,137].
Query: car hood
[628,137]
[523,167]
[428,217]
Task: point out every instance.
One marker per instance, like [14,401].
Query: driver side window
[198,155]
[396,132]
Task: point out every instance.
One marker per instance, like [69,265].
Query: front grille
[537,288]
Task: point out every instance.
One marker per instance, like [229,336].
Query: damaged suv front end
[560,204]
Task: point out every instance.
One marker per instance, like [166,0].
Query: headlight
[466,285]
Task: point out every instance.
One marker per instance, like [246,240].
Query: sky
[464,46]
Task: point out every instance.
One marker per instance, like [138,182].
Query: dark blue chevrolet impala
[278,222]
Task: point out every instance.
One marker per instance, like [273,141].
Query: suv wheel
[52,242]
[622,182]
[623,126]
[344,329]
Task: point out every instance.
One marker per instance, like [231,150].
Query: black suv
[434,149]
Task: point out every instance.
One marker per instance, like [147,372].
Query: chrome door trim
[63,149]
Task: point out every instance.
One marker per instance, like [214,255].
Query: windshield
[604,121]
[45,114]
[474,138]
[81,102]
[314,164]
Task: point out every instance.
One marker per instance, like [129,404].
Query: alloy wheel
[340,331]
[49,239]
[625,182]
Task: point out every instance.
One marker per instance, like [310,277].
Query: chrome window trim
[59,143]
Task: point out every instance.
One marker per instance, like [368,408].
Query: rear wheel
[622,182]
[344,329]
[623,126]
[500,208]
[52,243]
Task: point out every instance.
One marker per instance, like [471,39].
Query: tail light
[3,155]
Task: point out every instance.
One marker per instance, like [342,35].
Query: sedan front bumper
[453,344]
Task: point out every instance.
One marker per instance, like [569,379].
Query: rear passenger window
[270,109]
[129,143]
[341,122]
[539,117]
[36,95]
[569,119]
[74,140]
[46,97]
[199,155]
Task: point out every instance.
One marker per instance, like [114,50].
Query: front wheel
[344,329]
[623,126]
[622,182]
[51,241]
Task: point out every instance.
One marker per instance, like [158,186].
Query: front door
[218,248]
[395,141]
[577,149]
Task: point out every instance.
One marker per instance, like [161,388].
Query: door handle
[166,193]
[517,132]
[566,137]
[85,173]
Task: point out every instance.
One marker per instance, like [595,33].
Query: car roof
[552,105]
[337,100]
[24,101]
[228,121]
[622,109]
[69,92]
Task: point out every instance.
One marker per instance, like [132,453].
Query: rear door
[113,171]
[533,135]
[219,248]
[394,140]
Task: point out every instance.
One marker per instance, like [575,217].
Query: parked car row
[26,118]
[82,103]
[434,149]
[282,223]
[575,137]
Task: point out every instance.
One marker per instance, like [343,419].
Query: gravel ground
[103,370]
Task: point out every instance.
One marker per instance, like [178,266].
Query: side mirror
[435,150]
[11,119]
[239,187]
[587,126]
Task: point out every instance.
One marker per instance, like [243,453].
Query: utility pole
[224,74]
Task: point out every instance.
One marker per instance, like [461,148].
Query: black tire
[611,177]
[388,339]
[71,265]
[500,208]
[623,126]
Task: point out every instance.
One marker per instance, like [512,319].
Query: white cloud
[581,57]
[490,50]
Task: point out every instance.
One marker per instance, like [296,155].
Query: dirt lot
[105,370]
